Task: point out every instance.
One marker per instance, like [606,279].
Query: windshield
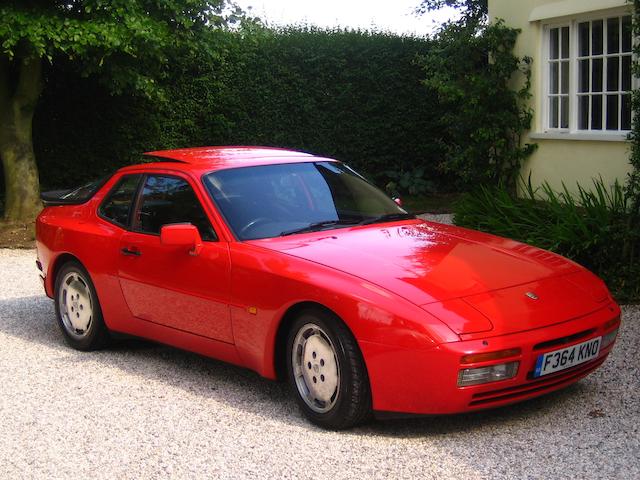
[275,200]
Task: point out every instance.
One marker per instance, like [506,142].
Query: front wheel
[78,310]
[327,372]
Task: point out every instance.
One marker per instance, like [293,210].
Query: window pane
[612,112]
[613,73]
[626,73]
[167,200]
[596,75]
[553,73]
[583,39]
[596,37]
[553,112]
[613,35]
[84,192]
[565,42]
[583,74]
[626,112]
[117,204]
[596,112]
[553,43]
[564,112]
[564,75]
[583,112]
[626,34]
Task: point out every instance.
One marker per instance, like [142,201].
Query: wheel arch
[57,264]
[280,340]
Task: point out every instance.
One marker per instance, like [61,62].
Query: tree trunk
[19,93]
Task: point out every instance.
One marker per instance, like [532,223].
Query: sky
[390,15]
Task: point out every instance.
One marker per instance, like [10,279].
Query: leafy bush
[592,227]
[413,182]
[633,181]
[473,70]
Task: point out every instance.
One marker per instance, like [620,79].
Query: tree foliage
[483,89]
[129,43]
[632,187]
[633,182]
[471,9]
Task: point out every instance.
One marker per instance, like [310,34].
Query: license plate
[567,357]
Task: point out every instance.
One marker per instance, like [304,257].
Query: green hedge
[355,96]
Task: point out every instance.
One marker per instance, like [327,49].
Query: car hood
[428,263]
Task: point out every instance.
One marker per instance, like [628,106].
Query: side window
[116,207]
[166,200]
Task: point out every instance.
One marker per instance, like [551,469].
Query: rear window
[86,191]
[76,196]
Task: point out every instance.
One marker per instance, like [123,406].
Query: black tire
[352,403]
[96,334]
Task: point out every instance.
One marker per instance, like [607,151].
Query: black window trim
[126,227]
[135,206]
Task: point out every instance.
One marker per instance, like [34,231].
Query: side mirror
[182,235]
[398,200]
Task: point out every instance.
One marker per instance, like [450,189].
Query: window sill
[585,136]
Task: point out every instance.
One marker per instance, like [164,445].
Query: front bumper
[425,381]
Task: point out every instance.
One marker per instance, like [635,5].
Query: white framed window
[587,75]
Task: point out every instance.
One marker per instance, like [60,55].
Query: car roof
[206,159]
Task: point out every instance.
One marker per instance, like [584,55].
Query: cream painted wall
[559,160]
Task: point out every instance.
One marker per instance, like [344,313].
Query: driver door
[163,284]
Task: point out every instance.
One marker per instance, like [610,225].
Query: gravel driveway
[140,410]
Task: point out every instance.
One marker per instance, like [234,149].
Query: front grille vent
[563,340]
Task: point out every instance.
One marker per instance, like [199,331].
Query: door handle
[128,251]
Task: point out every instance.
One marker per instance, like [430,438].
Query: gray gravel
[438,217]
[140,410]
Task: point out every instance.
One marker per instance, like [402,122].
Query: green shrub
[472,69]
[592,228]
[633,180]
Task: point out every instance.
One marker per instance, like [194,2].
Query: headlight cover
[488,374]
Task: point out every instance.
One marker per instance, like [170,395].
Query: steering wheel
[252,223]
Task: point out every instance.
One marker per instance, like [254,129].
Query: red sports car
[296,267]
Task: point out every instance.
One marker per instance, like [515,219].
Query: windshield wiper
[389,217]
[316,226]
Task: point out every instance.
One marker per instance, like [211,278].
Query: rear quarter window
[117,205]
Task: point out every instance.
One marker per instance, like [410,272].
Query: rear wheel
[78,310]
[327,372]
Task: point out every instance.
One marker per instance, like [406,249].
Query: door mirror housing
[182,235]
